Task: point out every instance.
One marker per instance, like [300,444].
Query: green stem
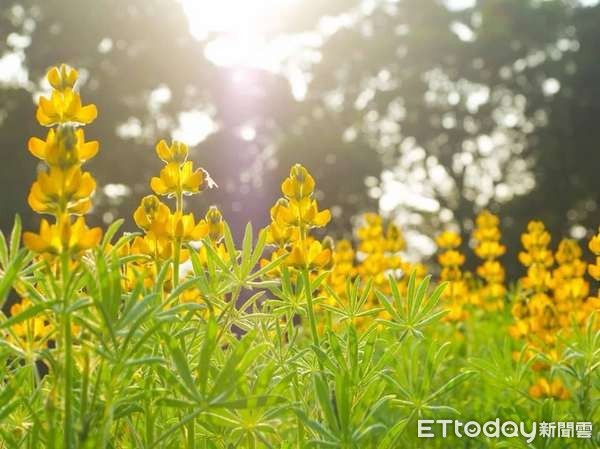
[68,354]
[176,256]
[310,306]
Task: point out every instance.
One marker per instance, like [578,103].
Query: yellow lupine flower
[72,238]
[62,191]
[31,334]
[451,258]
[184,227]
[160,249]
[310,255]
[546,389]
[64,148]
[64,107]
[492,271]
[177,152]
[536,236]
[213,225]
[62,78]
[176,179]
[489,249]
[301,213]
[448,240]
[281,235]
[152,215]
[300,184]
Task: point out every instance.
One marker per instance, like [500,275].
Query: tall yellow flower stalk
[380,254]
[488,248]
[373,250]
[343,266]
[538,320]
[569,285]
[451,260]
[293,217]
[166,231]
[533,311]
[63,190]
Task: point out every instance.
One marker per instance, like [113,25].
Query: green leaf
[11,273]
[251,402]
[15,236]
[3,250]
[111,231]
[392,435]
[183,369]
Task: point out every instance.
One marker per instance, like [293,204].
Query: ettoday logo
[441,428]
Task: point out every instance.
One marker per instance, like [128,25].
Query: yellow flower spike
[152,215]
[62,78]
[64,107]
[64,148]
[176,179]
[63,237]
[57,191]
[300,184]
[488,248]
[450,259]
[177,152]
[448,240]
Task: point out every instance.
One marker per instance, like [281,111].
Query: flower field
[177,336]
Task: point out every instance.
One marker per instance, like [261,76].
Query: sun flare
[239,32]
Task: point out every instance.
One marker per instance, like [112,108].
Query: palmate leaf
[413,313]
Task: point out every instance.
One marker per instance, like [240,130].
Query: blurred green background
[427,110]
